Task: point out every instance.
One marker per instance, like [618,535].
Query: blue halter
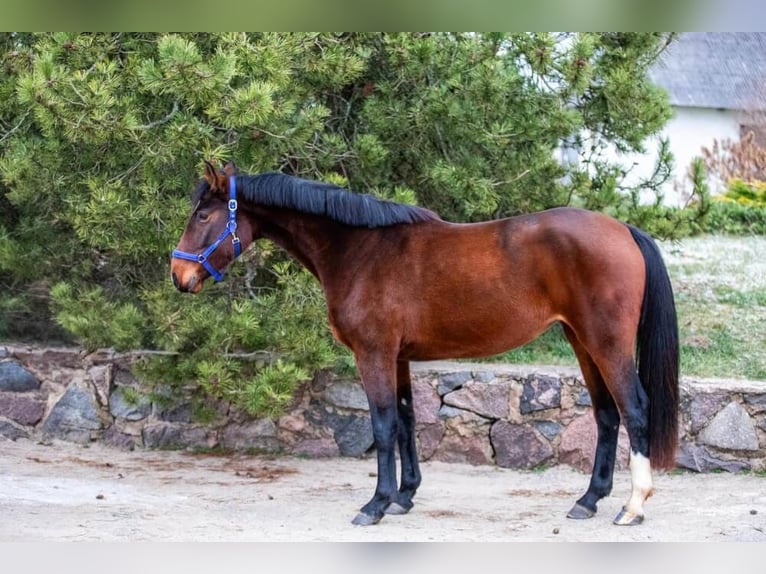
[230,229]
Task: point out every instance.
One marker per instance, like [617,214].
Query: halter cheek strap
[230,229]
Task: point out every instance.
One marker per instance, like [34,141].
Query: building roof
[722,70]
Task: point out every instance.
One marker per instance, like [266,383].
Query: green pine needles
[102,137]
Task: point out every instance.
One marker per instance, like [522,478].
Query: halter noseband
[230,229]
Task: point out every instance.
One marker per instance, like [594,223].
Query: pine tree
[103,135]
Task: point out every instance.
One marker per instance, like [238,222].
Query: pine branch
[15,128]
[161,121]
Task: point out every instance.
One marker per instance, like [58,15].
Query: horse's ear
[230,169]
[215,179]
[210,175]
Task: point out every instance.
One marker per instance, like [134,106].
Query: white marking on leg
[641,482]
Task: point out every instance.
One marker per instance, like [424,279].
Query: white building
[716,82]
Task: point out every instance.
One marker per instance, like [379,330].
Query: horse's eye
[202,217]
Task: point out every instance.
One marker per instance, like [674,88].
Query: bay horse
[402,285]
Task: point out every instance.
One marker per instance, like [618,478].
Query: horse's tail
[657,354]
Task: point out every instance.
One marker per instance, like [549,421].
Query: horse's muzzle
[192,285]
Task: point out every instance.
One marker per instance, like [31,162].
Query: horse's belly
[480,335]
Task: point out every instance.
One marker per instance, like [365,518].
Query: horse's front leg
[378,375]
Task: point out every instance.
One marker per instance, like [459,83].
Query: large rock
[293,422]
[75,416]
[756,401]
[162,434]
[491,400]
[50,360]
[116,438]
[177,436]
[123,377]
[519,446]
[464,423]
[316,448]
[583,399]
[448,412]
[702,408]
[175,413]
[15,378]
[129,404]
[578,444]
[352,433]
[549,429]
[355,437]
[426,402]
[346,395]
[472,449]
[466,438]
[428,438]
[12,431]
[448,382]
[321,416]
[260,435]
[540,392]
[731,429]
[484,376]
[698,458]
[23,408]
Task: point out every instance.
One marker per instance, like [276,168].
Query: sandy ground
[65,492]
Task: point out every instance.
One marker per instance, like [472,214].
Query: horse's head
[215,235]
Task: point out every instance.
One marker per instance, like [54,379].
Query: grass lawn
[720,289]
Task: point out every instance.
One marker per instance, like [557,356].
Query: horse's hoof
[625,518]
[397,508]
[363,519]
[579,512]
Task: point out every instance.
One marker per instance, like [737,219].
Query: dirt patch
[264,473]
[67,492]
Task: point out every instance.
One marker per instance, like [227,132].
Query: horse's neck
[317,243]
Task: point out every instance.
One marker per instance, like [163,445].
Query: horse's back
[549,247]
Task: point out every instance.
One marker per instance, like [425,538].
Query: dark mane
[318,198]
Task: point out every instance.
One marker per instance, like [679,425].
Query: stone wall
[512,416]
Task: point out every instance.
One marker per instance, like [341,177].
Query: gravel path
[65,492]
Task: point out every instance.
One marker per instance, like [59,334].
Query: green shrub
[741,210]
[751,193]
[252,352]
[97,321]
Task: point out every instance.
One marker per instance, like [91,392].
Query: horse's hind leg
[637,422]
[406,436]
[607,423]
[633,402]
